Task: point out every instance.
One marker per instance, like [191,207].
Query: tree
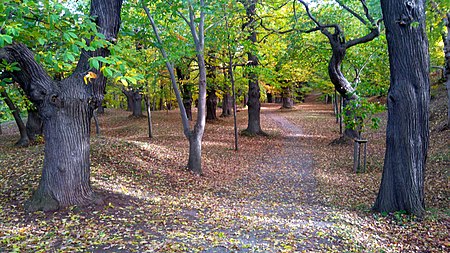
[407,133]
[339,46]
[66,108]
[253,103]
[194,135]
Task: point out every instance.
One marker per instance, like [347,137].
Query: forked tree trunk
[66,109]
[23,141]
[194,136]
[407,133]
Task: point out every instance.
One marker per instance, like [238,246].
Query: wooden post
[357,155]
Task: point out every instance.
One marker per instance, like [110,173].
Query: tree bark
[253,103]
[23,141]
[66,109]
[137,104]
[227,104]
[286,98]
[149,117]
[407,133]
[211,105]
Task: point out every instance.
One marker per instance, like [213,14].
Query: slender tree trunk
[407,133]
[149,117]
[23,141]
[34,125]
[446,39]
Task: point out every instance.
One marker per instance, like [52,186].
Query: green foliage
[360,113]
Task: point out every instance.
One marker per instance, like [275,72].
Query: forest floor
[290,191]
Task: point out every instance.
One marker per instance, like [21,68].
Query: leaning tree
[66,108]
[407,133]
[339,45]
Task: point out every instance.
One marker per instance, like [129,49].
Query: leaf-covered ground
[289,192]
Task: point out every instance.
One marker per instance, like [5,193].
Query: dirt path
[279,202]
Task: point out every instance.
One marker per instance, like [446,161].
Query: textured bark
[137,104]
[407,133]
[211,105]
[227,104]
[66,109]
[34,125]
[23,141]
[195,154]
[253,103]
[134,101]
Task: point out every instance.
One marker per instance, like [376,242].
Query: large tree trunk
[286,98]
[137,104]
[23,141]
[407,134]
[35,125]
[227,104]
[253,103]
[211,105]
[66,109]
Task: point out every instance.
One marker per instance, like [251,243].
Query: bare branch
[356,15]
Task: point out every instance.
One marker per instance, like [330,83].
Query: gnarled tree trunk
[407,133]
[66,109]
